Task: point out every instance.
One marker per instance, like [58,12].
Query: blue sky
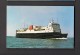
[40,15]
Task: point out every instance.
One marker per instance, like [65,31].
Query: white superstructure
[52,27]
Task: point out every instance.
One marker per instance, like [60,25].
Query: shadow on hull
[41,35]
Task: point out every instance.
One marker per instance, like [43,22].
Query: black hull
[41,35]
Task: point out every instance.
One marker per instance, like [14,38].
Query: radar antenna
[52,21]
[57,20]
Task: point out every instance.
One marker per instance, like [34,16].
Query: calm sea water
[13,42]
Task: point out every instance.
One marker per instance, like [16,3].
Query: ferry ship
[52,30]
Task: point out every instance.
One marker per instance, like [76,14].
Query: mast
[57,20]
[52,20]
